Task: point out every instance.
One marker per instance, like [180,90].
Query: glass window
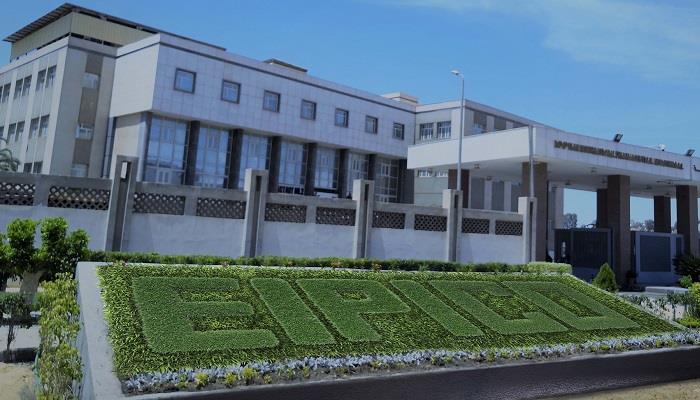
[255,154]
[425,173]
[308,110]
[271,101]
[213,150]
[387,181]
[425,131]
[341,117]
[444,129]
[167,151]
[18,89]
[50,76]
[185,80]
[37,167]
[2,131]
[27,169]
[10,132]
[292,167]
[19,131]
[33,128]
[479,125]
[79,170]
[91,81]
[398,131]
[357,168]
[443,173]
[41,79]
[43,125]
[371,124]
[499,124]
[230,91]
[5,93]
[26,85]
[84,131]
[326,174]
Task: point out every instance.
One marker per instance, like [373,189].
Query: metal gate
[653,257]
[585,249]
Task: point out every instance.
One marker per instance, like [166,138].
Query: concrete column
[363,194]
[601,220]
[687,216]
[541,188]
[406,183]
[235,137]
[273,177]
[342,172]
[452,184]
[371,168]
[256,183]
[191,162]
[451,202]
[555,213]
[120,203]
[527,207]
[310,181]
[662,214]
[618,206]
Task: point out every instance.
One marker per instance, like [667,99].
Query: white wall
[407,244]
[491,248]
[306,240]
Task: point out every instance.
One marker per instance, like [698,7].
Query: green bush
[22,253]
[5,272]
[606,279]
[685,281]
[688,265]
[326,262]
[14,313]
[694,307]
[58,364]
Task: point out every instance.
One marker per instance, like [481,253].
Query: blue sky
[593,67]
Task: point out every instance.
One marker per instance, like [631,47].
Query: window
[19,131]
[308,110]
[341,117]
[255,154]
[271,101]
[34,128]
[425,173]
[326,174]
[84,131]
[50,76]
[166,152]
[10,132]
[91,81]
[43,125]
[292,168]
[2,131]
[41,79]
[26,85]
[371,124]
[398,131]
[37,167]
[387,181]
[499,124]
[213,149]
[443,173]
[425,131]
[5,93]
[18,89]
[479,125]
[358,165]
[185,80]
[230,91]
[444,129]
[27,168]
[79,170]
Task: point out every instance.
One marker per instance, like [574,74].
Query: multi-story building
[83,86]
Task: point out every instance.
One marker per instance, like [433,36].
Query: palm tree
[7,161]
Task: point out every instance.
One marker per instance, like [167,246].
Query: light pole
[461,131]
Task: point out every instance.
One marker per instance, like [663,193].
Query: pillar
[662,214]
[452,184]
[527,208]
[451,201]
[274,170]
[342,173]
[191,162]
[618,220]
[236,139]
[540,215]
[687,216]
[310,178]
[406,181]
[255,186]
[120,203]
[363,194]
[601,220]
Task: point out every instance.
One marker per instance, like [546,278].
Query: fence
[128,215]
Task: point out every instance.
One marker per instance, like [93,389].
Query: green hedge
[327,262]
[176,317]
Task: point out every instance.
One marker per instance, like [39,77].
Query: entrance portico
[614,170]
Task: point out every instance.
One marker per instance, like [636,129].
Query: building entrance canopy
[577,161]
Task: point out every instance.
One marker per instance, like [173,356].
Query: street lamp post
[461,131]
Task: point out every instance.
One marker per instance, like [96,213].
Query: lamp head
[690,152]
[617,138]
[456,72]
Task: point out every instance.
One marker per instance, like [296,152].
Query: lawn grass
[167,318]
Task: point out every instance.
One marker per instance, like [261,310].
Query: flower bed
[245,325]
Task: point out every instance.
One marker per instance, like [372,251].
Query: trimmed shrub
[685,281]
[606,279]
[688,265]
[562,268]
[694,307]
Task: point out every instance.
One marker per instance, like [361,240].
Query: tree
[8,163]
[606,279]
[570,220]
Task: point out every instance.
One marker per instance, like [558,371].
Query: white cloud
[658,41]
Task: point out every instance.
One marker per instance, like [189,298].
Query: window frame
[266,93]
[372,129]
[403,131]
[347,117]
[224,82]
[442,136]
[194,80]
[84,128]
[426,125]
[301,112]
